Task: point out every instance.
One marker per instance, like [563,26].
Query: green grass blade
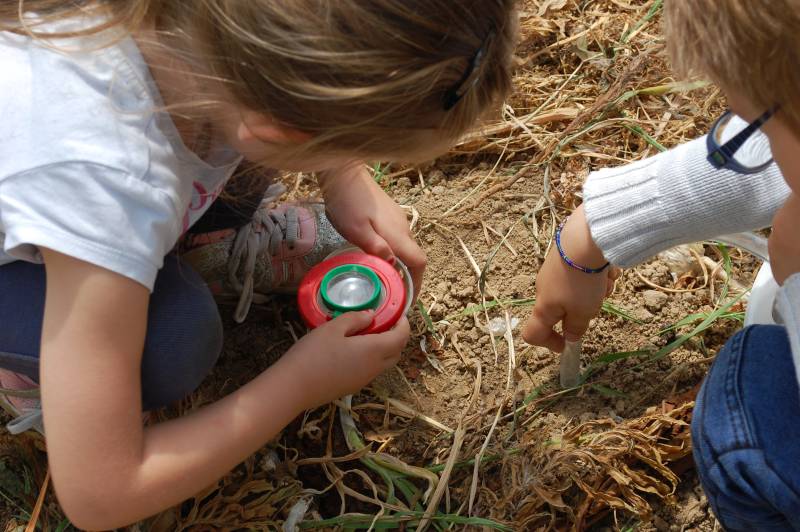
[705,324]
[622,313]
[608,358]
[608,391]
[526,302]
[646,136]
[693,318]
[397,520]
[63,525]
[476,309]
[652,12]
[426,318]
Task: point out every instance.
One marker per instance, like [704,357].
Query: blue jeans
[746,433]
[182,344]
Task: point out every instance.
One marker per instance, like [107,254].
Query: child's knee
[174,372]
[184,338]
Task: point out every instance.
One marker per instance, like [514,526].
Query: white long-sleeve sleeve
[637,210]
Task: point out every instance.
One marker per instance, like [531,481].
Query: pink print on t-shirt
[201,201]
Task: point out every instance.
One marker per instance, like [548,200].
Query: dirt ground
[592,89]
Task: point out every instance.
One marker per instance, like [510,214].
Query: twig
[429,420]
[455,449]
[503,240]
[37,508]
[562,42]
[509,338]
[479,274]
[333,459]
[416,397]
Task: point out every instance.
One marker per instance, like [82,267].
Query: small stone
[438,189]
[403,182]
[654,300]
[521,285]
[466,292]
[642,314]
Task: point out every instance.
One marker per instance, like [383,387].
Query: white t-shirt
[88,166]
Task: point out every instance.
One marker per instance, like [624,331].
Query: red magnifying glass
[350,280]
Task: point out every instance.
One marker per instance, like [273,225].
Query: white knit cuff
[675,197]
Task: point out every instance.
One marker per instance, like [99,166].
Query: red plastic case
[393,298]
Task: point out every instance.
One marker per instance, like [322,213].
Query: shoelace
[30,418]
[266,231]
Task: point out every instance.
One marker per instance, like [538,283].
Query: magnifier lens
[350,289]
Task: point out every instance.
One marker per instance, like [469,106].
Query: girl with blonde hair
[122,123]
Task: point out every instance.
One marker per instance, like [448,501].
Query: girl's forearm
[182,456]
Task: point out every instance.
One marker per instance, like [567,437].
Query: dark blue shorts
[184,329]
[746,433]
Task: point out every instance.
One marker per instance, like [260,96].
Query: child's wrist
[338,175]
[576,246]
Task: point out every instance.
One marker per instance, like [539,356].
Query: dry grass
[595,468]
[592,89]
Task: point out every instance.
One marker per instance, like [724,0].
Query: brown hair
[750,46]
[363,77]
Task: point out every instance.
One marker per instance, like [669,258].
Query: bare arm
[107,470]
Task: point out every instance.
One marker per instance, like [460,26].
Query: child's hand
[784,242]
[331,361]
[366,216]
[566,294]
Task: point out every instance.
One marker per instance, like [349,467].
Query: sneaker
[271,254]
[19,396]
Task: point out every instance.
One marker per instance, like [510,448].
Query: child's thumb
[351,323]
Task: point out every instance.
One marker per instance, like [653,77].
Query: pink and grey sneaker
[271,254]
[19,396]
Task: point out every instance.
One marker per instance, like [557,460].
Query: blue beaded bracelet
[569,261]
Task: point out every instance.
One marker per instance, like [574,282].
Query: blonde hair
[750,46]
[362,77]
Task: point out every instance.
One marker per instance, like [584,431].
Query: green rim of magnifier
[372,302]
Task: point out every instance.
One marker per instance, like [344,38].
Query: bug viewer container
[350,280]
